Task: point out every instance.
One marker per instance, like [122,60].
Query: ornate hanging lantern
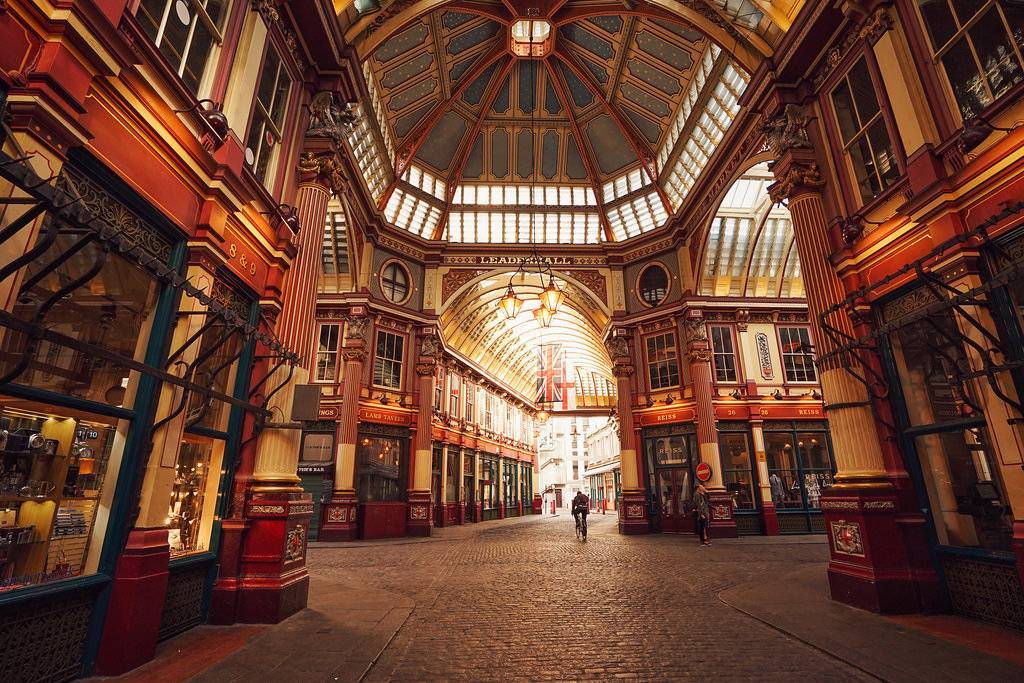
[543,315]
[510,303]
[551,297]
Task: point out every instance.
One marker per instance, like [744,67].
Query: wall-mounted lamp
[777,394]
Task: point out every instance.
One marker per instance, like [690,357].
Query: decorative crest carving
[788,130]
[329,117]
[695,330]
[618,349]
[357,328]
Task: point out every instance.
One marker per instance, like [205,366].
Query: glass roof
[750,250]
[464,142]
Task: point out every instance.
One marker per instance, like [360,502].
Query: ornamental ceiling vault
[591,130]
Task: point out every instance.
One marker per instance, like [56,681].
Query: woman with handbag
[701,509]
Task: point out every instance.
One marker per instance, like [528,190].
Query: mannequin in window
[813,490]
[778,488]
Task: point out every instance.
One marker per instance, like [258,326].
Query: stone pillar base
[478,514]
[538,504]
[723,523]
[460,515]
[501,509]
[136,603]
[769,519]
[418,516]
[273,583]
[633,514]
[339,518]
[870,565]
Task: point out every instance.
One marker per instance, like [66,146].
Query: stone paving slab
[797,603]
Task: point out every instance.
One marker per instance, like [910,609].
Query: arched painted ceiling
[598,140]
[474,326]
[750,250]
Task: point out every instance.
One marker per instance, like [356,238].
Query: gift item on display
[47,507]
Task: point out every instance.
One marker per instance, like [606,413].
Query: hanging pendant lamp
[551,297]
[510,303]
[543,315]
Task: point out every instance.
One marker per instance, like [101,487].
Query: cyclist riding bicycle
[580,509]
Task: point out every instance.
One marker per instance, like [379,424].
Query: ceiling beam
[462,156]
[640,148]
[581,145]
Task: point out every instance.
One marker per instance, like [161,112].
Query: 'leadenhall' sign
[517,260]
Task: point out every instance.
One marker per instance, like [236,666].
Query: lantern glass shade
[510,303]
[543,315]
[551,297]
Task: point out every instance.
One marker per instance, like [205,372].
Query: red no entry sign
[703,472]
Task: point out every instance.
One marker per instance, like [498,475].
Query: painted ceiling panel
[501,100]
[588,40]
[499,153]
[455,19]
[611,149]
[573,161]
[475,161]
[412,94]
[610,23]
[667,52]
[406,122]
[472,37]
[550,154]
[682,30]
[443,141]
[654,105]
[654,77]
[403,42]
[474,94]
[648,128]
[407,71]
[582,96]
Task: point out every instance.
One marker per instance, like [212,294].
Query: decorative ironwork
[183,606]
[748,525]
[930,305]
[43,640]
[985,590]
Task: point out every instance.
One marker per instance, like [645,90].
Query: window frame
[639,277]
[396,263]
[217,39]
[783,353]
[737,367]
[935,56]
[379,359]
[850,184]
[336,352]
[674,348]
[454,396]
[272,171]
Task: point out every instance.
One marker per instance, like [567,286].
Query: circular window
[653,285]
[394,282]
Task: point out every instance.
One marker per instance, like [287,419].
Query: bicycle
[581,527]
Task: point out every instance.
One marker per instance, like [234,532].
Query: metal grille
[183,606]
[42,640]
[985,590]
[748,525]
[817,523]
[793,524]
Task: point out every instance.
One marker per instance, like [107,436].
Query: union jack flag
[551,374]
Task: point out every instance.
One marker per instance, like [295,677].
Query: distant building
[603,471]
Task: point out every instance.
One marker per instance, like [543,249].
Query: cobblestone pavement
[524,600]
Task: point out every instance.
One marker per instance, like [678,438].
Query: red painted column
[698,354]
[872,519]
[419,503]
[633,518]
[340,514]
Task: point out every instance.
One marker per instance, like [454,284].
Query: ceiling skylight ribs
[368,156]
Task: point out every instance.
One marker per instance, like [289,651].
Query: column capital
[794,178]
[354,353]
[321,169]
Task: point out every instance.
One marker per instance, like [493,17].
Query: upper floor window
[438,388]
[265,132]
[470,401]
[796,354]
[453,395]
[662,361]
[185,32]
[864,132]
[979,45]
[387,362]
[724,353]
[327,353]
[488,411]
[653,285]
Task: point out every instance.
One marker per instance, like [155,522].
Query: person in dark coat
[702,511]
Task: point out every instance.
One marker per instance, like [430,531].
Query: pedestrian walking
[701,510]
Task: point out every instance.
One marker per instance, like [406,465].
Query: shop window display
[737,475]
[194,494]
[57,473]
[381,465]
[451,481]
[799,466]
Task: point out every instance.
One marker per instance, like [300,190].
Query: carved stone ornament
[742,319]
[871,29]
[788,130]
[324,168]
[329,117]
[618,349]
[695,330]
[273,16]
[357,328]
[698,354]
[430,347]
[798,176]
